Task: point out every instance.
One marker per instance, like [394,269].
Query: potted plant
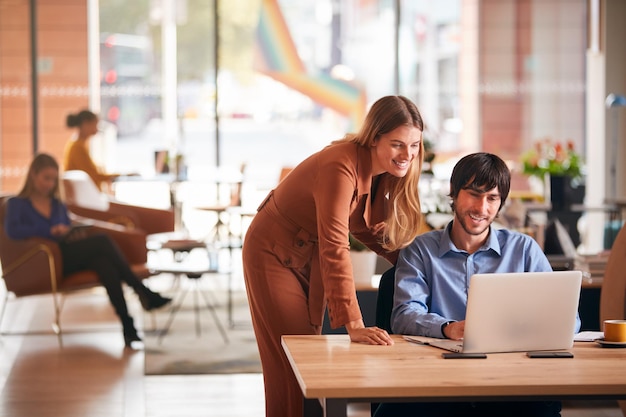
[363,262]
[557,165]
[554,159]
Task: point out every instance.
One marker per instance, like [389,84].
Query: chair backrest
[384,299]
[613,294]
[80,190]
[4,239]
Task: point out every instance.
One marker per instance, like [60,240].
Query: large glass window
[428,62]
[294,75]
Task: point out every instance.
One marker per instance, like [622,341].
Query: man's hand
[370,335]
[454,330]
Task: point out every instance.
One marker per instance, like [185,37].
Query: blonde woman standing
[296,254]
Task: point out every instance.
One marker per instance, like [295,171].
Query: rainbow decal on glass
[278,58]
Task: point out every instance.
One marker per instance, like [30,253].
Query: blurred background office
[216,84]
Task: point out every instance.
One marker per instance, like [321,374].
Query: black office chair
[384,305]
[384,300]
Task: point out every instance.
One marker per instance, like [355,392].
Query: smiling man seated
[432,277]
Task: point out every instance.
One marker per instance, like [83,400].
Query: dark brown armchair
[613,293]
[34,266]
[84,199]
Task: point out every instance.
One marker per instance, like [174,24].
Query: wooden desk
[336,371]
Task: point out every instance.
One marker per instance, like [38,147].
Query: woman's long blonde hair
[404,220]
[41,161]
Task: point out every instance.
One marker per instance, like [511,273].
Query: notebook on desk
[510,312]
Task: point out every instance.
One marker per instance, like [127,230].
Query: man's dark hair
[481,172]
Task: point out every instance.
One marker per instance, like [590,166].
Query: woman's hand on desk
[370,335]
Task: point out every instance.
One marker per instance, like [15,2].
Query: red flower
[548,157]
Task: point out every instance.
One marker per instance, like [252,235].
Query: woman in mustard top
[77,155]
[296,255]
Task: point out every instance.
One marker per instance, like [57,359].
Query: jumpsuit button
[300,243]
[287,261]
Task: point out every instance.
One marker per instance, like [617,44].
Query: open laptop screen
[526,311]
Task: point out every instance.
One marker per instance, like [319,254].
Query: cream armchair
[84,199]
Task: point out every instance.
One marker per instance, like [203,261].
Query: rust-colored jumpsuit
[296,257]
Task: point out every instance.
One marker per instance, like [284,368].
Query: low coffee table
[193,273]
[181,247]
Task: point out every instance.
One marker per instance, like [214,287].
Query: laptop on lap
[511,312]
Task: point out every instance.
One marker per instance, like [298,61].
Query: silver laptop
[510,312]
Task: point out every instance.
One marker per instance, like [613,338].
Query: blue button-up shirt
[432,276]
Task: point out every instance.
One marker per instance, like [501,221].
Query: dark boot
[151,300]
[130,333]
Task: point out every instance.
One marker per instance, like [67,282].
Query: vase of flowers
[556,164]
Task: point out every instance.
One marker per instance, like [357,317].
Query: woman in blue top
[37,211]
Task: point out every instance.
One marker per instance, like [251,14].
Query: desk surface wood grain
[333,367]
